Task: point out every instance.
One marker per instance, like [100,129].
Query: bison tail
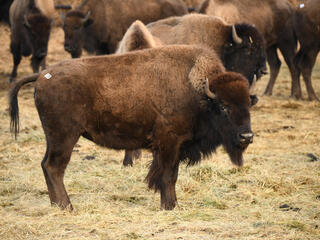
[13,102]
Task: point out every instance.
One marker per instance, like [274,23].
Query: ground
[276,195]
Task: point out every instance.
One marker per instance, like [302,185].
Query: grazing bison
[274,19]
[307,28]
[177,101]
[30,29]
[98,25]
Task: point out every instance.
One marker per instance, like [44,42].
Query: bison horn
[207,90]
[253,85]
[235,36]
[86,17]
[62,17]
[26,22]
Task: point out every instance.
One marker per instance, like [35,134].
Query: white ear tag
[302,5]
[48,76]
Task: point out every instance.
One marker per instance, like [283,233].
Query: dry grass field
[276,195]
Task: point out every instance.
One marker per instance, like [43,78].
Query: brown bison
[30,22]
[274,19]
[240,46]
[177,101]
[98,25]
[307,28]
[243,53]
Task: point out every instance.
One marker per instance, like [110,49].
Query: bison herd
[176,83]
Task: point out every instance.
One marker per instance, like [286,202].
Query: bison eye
[225,108]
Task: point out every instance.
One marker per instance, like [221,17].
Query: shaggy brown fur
[30,29]
[108,20]
[307,28]
[274,20]
[143,99]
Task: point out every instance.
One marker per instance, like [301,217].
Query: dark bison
[30,22]
[240,46]
[307,28]
[177,101]
[243,52]
[98,25]
[274,19]
[4,10]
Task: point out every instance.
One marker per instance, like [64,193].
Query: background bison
[307,28]
[98,25]
[274,19]
[30,22]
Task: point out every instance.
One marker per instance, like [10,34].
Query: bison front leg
[163,174]
[168,187]
[35,63]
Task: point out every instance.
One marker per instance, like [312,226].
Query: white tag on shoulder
[302,5]
[48,76]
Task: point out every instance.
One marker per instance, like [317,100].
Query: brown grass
[216,200]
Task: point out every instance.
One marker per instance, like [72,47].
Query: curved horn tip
[253,85]
[235,36]
[26,22]
[207,90]
[62,17]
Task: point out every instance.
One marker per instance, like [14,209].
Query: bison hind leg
[275,64]
[130,156]
[54,163]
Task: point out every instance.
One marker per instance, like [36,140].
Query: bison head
[229,113]
[244,52]
[224,121]
[38,30]
[73,25]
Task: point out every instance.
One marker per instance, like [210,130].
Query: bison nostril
[246,137]
[67,48]
[263,71]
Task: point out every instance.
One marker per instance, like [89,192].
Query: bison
[307,28]
[243,53]
[239,46]
[30,22]
[177,101]
[98,25]
[274,19]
